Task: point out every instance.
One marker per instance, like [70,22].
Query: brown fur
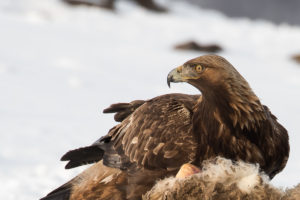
[292,193]
[95,183]
[222,185]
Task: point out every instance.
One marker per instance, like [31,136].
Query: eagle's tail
[96,182]
[58,194]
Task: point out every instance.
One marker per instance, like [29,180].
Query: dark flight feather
[123,110]
[155,137]
[82,156]
[61,194]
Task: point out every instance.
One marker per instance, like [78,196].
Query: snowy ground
[60,66]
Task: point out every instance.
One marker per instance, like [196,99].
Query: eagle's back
[157,135]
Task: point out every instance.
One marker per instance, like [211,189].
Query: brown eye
[198,68]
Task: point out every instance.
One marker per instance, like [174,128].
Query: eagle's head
[221,85]
[207,73]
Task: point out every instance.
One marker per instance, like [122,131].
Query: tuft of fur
[223,179]
[292,194]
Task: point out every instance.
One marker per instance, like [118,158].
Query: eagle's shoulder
[154,134]
[123,110]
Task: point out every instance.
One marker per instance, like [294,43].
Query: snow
[60,66]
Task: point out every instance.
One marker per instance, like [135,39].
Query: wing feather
[82,156]
[149,137]
[123,110]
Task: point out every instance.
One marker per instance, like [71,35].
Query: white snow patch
[3,68]
[67,63]
[48,49]
[74,82]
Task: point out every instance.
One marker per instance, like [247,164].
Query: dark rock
[108,4]
[151,5]
[296,58]
[278,11]
[191,45]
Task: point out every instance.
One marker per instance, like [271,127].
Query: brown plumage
[155,137]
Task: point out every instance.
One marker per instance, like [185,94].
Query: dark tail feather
[58,194]
[82,156]
[63,192]
[123,110]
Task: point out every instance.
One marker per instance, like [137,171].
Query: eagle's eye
[198,68]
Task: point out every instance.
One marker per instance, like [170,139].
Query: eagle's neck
[234,105]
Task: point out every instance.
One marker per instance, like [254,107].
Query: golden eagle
[156,136]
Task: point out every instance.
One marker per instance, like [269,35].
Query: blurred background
[63,61]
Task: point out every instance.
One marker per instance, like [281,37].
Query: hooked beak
[175,76]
